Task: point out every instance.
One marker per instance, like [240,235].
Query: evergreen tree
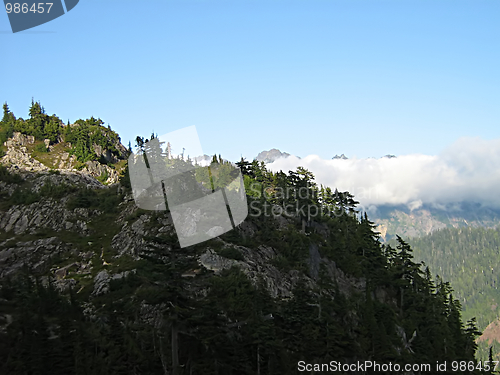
[244,166]
[7,124]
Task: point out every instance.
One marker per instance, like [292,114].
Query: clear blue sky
[364,78]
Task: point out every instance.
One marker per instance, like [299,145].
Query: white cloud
[415,205]
[468,170]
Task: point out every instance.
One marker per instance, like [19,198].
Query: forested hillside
[470,259]
[91,284]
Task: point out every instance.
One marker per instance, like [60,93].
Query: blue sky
[364,78]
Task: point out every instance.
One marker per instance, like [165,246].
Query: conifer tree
[7,124]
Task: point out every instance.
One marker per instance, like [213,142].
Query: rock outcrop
[19,157]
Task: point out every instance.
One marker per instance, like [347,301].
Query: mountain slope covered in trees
[91,284]
[470,259]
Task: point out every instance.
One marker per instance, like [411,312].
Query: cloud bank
[468,170]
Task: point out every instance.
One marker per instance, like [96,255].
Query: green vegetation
[469,258]
[50,190]
[87,133]
[105,200]
[6,176]
[103,177]
[50,159]
[84,135]
[40,147]
[349,296]
[25,196]
[40,125]
[7,124]
[231,253]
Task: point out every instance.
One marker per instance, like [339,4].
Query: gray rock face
[256,266]
[44,214]
[65,285]
[17,155]
[96,169]
[213,262]
[20,139]
[130,239]
[74,178]
[101,283]
[37,254]
[5,321]
[102,279]
[106,154]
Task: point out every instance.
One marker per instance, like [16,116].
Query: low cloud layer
[468,170]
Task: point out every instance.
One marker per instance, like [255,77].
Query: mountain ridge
[90,283]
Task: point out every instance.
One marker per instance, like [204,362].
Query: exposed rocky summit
[21,156]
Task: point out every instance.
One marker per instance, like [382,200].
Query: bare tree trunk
[162,358]
[258,359]
[401,305]
[175,349]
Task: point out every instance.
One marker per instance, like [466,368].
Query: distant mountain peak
[271,155]
[342,157]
